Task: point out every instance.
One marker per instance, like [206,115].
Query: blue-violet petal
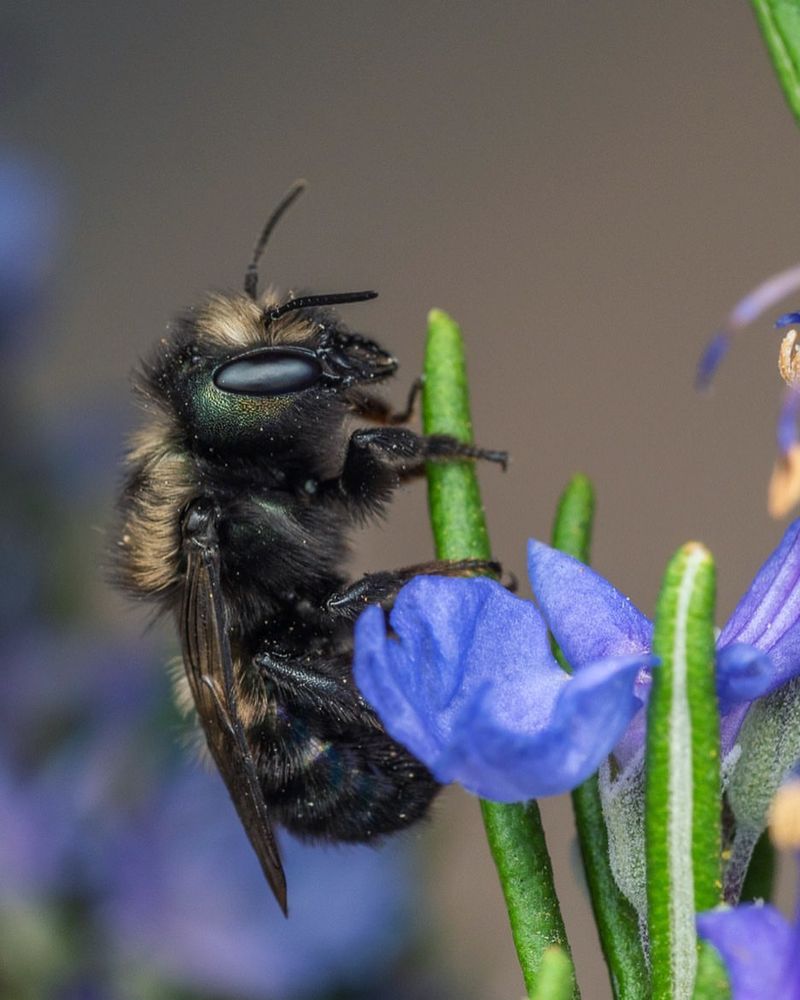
[754,942]
[743,673]
[589,618]
[471,688]
[768,615]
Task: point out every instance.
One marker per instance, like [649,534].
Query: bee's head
[248,372]
[240,374]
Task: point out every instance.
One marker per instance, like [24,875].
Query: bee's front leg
[375,408]
[379,458]
[381,588]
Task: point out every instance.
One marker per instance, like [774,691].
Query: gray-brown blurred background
[587,187]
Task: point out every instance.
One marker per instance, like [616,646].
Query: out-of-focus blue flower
[787,421]
[471,687]
[187,898]
[39,823]
[760,948]
[784,486]
[758,650]
[99,803]
[757,301]
[28,225]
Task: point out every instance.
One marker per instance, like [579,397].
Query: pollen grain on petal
[789,360]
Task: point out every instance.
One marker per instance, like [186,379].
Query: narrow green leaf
[517,842]
[617,921]
[454,497]
[682,799]
[556,976]
[572,528]
[779,21]
[515,833]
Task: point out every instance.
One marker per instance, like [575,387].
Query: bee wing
[209,667]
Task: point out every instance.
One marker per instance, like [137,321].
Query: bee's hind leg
[313,684]
[381,588]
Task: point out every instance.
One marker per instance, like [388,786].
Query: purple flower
[471,687]
[758,650]
[757,301]
[40,824]
[28,224]
[760,948]
[784,485]
[186,898]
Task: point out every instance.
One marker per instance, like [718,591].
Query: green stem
[515,833]
[682,800]
[779,21]
[617,922]
[572,528]
[712,976]
[556,979]
[517,842]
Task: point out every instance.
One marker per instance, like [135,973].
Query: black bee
[238,498]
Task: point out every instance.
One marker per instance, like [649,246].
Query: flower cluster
[468,681]
[465,677]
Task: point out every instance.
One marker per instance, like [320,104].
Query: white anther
[789,360]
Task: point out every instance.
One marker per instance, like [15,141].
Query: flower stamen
[789,360]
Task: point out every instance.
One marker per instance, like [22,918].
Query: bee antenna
[316,300]
[251,274]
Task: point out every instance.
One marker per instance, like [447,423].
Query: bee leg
[379,458]
[340,776]
[377,410]
[381,588]
[319,685]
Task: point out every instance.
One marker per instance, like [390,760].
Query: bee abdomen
[352,791]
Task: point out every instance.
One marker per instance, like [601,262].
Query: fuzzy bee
[239,494]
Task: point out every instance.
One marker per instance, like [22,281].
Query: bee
[239,495]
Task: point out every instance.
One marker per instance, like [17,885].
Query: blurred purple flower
[784,486]
[39,821]
[77,747]
[29,205]
[98,803]
[471,687]
[760,949]
[787,421]
[186,897]
[757,301]
[60,684]
[758,650]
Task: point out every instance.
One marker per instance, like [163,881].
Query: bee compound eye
[273,371]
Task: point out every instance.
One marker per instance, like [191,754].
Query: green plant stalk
[712,976]
[572,528]
[617,922]
[683,792]
[779,21]
[556,978]
[515,833]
